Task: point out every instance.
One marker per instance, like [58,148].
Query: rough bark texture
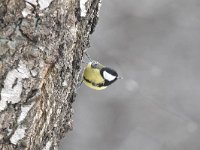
[41,48]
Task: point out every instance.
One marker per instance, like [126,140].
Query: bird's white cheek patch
[108,76]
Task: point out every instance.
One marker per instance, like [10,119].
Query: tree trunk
[41,48]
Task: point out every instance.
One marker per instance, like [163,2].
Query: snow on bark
[18,135]
[24,112]
[83,8]
[27,10]
[48,145]
[13,86]
[44,3]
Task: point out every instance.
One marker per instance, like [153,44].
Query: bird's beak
[120,78]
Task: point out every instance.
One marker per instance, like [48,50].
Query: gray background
[154,45]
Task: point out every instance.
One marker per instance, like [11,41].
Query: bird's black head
[109,75]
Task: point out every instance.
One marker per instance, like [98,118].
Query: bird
[98,76]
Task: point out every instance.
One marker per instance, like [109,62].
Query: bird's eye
[94,65]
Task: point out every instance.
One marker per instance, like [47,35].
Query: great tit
[97,76]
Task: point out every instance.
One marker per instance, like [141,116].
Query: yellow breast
[93,75]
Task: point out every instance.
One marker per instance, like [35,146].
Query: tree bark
[41,47]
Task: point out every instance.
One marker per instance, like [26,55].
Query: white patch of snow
[34,2]
[24,112]
[9,131]
[13,85]
[25,12]
[73,30]
[18,135]
[83,8]
[34,72]
[99,6]
[48,145]
[64,83]
[44,3]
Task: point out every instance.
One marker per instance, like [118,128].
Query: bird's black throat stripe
[94,84]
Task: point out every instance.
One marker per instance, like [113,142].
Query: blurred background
[155,46]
